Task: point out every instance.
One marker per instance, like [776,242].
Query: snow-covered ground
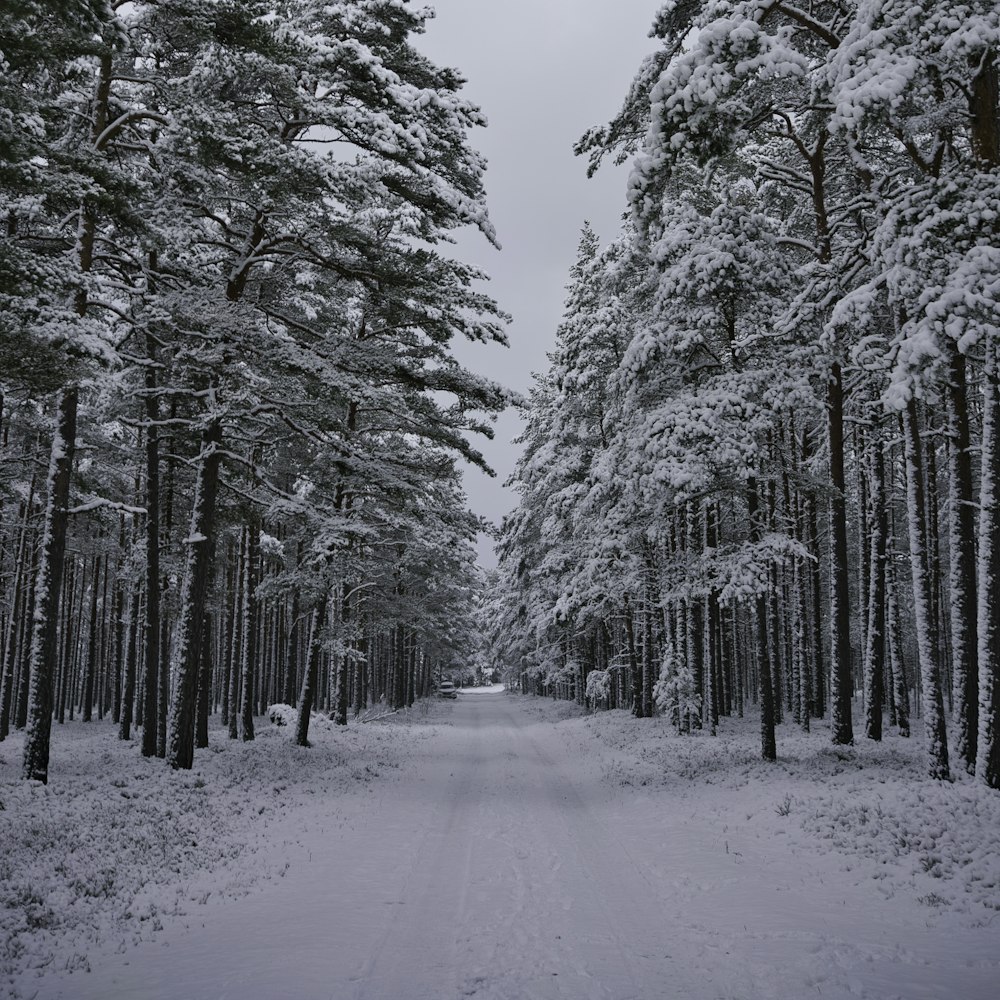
[499,848]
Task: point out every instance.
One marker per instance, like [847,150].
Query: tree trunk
[91,672]
[768,744]
[894,634]
[841,681]
[648,665]
[128,680]
[236,640]
[361,676]
[819,671]
[635,673]
[311,677]
[962,569]
[204,687]
[934,721]
[710,612]
[118,623]
[292,653]
[250,613]
[988,750]
[344,662]
[24,650]
[71,620]
[874,662]
[197,579]
[151,633]
[43,654]
[17,614]
[163,696]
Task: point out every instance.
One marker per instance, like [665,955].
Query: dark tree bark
[361,667]
[309,681]
[894,634]
[635,674]
[344,661]
[841,682]
[710,708]
[197,580]
[236,639]
[648,665]
[68,642]
[163,695]
[128,679]
[24,651]
[819,672]
[251,608]
[649,659]
[204,686]
[151,633]
[874,662]
[17,615]
[231,605]
[47,590]
[118,678]
[91,670]
[292,652]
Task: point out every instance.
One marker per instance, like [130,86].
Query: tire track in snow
[544,912]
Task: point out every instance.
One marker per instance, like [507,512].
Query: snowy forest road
[518,888]
[500,864]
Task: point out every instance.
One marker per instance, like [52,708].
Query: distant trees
[221,254]
[808,327]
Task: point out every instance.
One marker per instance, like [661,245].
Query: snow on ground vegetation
[870,804]
[117,843]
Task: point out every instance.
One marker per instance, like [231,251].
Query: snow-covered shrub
[674,691]
[282,715]
[598,687]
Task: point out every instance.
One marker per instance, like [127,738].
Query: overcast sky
[543,71]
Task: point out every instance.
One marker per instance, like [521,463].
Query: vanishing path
[501,866]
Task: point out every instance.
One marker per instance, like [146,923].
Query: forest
[761,468]
[746,605]
[232,424]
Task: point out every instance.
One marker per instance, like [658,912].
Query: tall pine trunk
[841,681]
[635,672]
[768,744]
[197,579]
[90,674]
[292,652]
[204,707]
[344,663]
[310,679]
[874,662]
[151,632]
[933,699]
[17,615]
[962,575]
[44,650]
[250,614]
[988,751]
[128,678]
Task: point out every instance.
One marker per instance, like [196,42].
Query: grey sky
[543,71]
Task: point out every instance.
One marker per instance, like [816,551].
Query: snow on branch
[98,502]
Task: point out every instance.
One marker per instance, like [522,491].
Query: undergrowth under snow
[870,803]
[116,842]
